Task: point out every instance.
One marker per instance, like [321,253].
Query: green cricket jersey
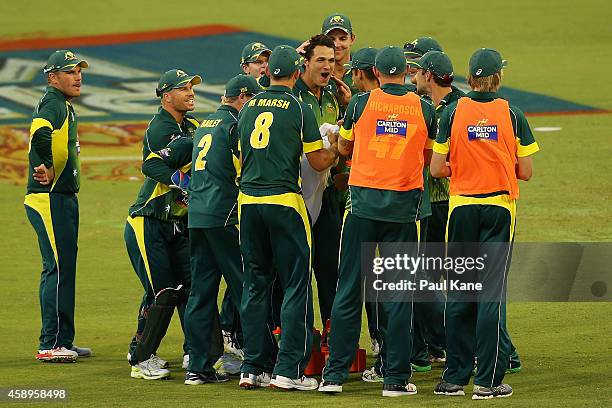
[385,205]
[212,189]
[439,187]
[167,146]
[54,142]
[526,143]
[326,109]
[275,128]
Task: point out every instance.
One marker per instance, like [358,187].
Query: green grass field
[554,48]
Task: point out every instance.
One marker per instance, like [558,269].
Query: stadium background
[555,49]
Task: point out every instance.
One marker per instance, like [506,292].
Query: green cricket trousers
[159,253]
[215,252]
[476,325]
[347,308]
[275,239]
[55,219]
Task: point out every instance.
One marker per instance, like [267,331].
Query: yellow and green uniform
[486,217]
[53,211]
[326,230]
[429,310]
[156,232]
[375,215]
[275,129]
[213,232]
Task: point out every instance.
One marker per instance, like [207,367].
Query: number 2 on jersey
[260,136]
[204,144]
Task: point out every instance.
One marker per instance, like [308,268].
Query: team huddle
[312,153]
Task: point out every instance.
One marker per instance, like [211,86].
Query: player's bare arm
[345,147]
[524,168]
[438,167]
[323,159]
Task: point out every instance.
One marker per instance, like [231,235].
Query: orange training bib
[483,149]
[390,136]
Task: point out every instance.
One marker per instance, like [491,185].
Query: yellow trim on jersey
[59,148]
[441,148]
[38,123]
[502,200]
[524,151]
[41,203]
[153,156]
[237,166]
[186,168]
[291,200]
[137,224]
[347,134]
[195,122]
[312,146]
[160,190]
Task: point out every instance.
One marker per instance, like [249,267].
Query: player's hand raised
[344,92]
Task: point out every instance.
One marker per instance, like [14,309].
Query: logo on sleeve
[391,126]
[482,131]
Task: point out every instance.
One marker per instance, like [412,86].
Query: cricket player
[339,27]
[254,59]
[387,131]
[415,50]
[213,226]
[433,79]
[155,232]
[311,88]
[275,128]
[51,203]
[364,79]
[488,145]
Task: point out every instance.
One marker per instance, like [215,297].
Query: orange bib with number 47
[390,136]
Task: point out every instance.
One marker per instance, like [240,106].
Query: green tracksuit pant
[477,326]
[275,239]
[346,311]
[159,253]
[215,252]
[326,234]
[55,219]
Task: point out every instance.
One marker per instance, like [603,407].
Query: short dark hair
[369,74]
[317,40]
[444,82]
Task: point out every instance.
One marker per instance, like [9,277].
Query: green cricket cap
[284,61]
[252,51]
[485,62]
[390,60]
[63,60]
[437,63]
[362,59]
[339,21]
[175,78]
[420,46]
[242,84]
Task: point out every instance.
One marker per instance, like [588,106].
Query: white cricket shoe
[286,383]
[57,355]
[253,381]
[149,370]
[185,364]
[161,363]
